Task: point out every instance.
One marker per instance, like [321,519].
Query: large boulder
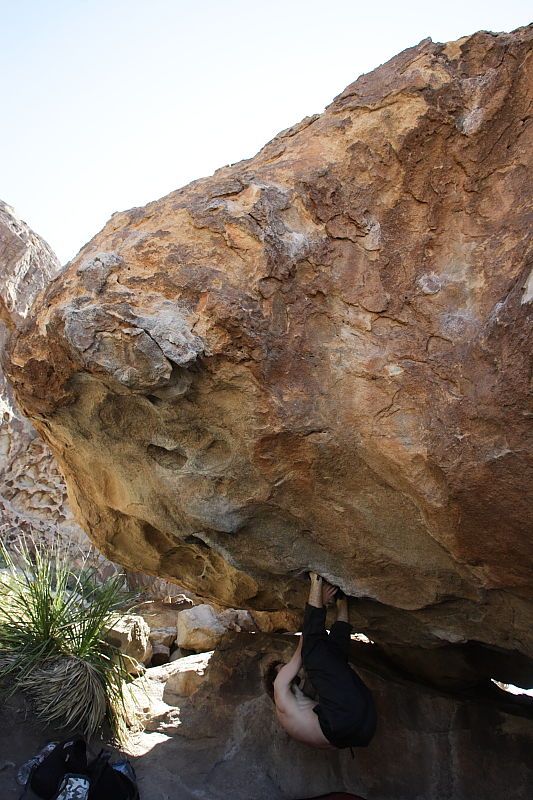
[317,359]
[187,675]
[160,692]
[28,265]
[158,615]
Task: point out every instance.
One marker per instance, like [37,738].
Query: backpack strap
[26,788]
[75,754]
[108,783]
[98,766]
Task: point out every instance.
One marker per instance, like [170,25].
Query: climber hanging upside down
[344,714]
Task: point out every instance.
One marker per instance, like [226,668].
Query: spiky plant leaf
[52,626]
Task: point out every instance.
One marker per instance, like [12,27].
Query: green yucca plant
[53,621]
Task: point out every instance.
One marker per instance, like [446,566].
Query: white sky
[108,104]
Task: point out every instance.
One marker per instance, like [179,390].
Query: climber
[344,715]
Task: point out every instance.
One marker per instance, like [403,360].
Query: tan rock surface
[276,621]
[187,676]
[317,358]
[160,692]
[130,634]
[235,619]
[33,495]
[164,636]
[199,628]
[157,614]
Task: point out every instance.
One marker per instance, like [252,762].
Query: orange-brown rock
[318,359]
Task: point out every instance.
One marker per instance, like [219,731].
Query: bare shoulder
[283,698]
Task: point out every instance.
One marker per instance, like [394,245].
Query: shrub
[52,646]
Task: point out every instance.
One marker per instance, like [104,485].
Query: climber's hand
[328,593]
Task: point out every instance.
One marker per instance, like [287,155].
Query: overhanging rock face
[317,359]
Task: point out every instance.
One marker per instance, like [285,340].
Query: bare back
[295,714]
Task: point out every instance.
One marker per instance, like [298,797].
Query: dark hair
[270,675]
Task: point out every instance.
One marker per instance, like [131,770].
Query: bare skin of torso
[295,714]
[294,709]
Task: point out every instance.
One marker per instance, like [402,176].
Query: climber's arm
[284,677]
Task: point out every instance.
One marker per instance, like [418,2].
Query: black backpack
[61,771]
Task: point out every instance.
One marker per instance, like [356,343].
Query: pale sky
[108,104]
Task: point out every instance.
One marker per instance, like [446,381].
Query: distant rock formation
[28,266]
[33,497]
[318,358]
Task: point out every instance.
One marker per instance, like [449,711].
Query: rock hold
[138,352]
